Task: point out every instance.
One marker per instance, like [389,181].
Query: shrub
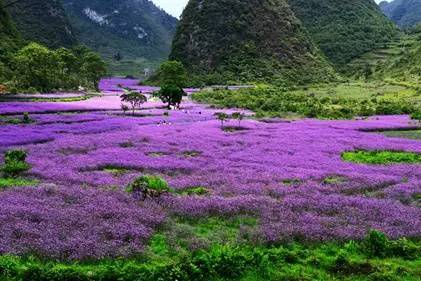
[26,118]
[375,244]
[15,163]
[148,186]
[416,116]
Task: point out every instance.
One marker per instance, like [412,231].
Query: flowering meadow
[288,175]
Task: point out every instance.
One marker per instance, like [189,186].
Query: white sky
[175,7]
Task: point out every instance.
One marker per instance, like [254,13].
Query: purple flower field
[86,152]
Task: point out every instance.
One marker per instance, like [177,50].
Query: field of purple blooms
[288,174]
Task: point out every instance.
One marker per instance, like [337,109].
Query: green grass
[375,258]
[410,134]
[16,182]
[381,157]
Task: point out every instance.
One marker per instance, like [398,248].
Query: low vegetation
[381,157]
[279,102]
[374,258]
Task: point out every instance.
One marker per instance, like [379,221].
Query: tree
[135,99]
[36,67]
[170,94]
[94,68]
[172,73]
[239,116]
[221,116]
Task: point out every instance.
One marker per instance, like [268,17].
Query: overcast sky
[175,7]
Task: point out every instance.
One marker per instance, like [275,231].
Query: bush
[148,186]
[375,244]
[15,163]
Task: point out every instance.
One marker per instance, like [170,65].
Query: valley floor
[271,198]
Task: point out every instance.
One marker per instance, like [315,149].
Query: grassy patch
[115,171]
[16,182]
[410,134]
[334,180]
[198,190]
[381,157]
[291,181]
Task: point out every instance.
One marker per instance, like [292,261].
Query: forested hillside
[43,21]
[344,29]
[236,41]
[405,13]
[129,34]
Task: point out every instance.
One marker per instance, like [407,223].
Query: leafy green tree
[36,67]
[135,99]
[172,73]
[94,68]
[171,94]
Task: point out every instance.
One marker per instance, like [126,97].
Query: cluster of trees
[35,68]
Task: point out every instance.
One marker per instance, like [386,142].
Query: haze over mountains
[405,13]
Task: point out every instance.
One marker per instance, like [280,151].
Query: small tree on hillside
[171,94]
[135,99]
[221,116]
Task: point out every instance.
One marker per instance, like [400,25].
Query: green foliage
[238,116]
[16,182]
[381,157]
[376,244]
[44,22]
[14,163]
[231,262]
[199,191]
[344,29]
[416,116]
[170,94]
[135,100]
[139,34]
[278,102]
[148,186]
[36,67]
[170,73]
[221,116]
[241,46]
